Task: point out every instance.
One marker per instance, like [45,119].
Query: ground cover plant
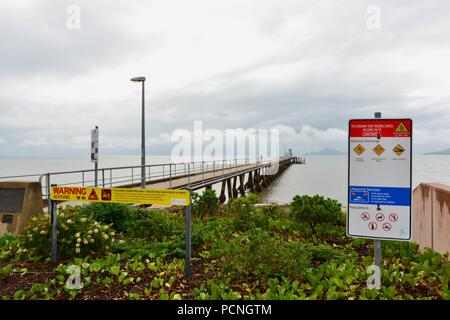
[240,251]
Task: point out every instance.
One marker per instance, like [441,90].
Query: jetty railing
[130,176]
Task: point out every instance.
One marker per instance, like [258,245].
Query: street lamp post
[142,80]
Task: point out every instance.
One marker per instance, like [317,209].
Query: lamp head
[138,79]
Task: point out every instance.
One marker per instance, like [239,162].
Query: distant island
[443,152]
[327,152]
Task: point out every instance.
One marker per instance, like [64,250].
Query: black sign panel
[7,218]
[11,200]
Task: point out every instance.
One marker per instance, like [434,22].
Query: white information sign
[379,181]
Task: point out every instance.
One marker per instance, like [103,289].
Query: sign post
[377,246]
[379,182]
[54,219]
[188,237]
[94,152]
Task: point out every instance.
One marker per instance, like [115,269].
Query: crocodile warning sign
[120,195]
[379,182]
[402,128]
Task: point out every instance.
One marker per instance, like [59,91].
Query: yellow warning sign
[359,149]
[121,195]
[378,150]
[398,149]
[401,128]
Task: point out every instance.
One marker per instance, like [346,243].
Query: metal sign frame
[381,120]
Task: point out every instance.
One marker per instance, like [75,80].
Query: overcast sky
[304,66]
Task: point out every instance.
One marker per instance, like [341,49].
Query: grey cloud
[36,41]
[336,69]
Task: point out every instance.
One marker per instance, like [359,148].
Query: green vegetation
[79,234]
[206,204]
[317,210]
[245,252]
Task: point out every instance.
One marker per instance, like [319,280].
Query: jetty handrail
[195,172]
[154,172]
[21,176]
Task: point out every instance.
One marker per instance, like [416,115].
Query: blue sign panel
[380,195]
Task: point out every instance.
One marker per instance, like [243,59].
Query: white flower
[147,261]
[83,219]
[91,240]
[35,229]
[105,236]
[78,240]
[112,234]
[90,232]
[95,230]
[77,250]
[77,245]
[85,241]
[42,232]
[77,235]
[105,227]
[69,221]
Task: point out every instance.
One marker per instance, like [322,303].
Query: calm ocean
[324,175]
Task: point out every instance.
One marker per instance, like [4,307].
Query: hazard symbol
[393,217]
[379,217]
[387,226]
[106,195]
[373,226]
[398,149]
[378,150]
[365,216]
[359,149]
[93,195]
[401,128]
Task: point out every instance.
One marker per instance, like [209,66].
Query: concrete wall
[32,205]
[431,216]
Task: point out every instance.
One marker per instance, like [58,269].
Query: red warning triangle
[93,195]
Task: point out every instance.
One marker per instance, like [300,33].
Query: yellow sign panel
[398,149]
[401,128]
[121,195]
[378,150]
[359,149]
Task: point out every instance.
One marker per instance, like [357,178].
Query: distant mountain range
[443,152]
[327,152]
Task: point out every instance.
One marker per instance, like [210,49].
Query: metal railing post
[103,177]
[189,174]
[132,176]
[48,189]
[110,178]
[82,175]
[170,175]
